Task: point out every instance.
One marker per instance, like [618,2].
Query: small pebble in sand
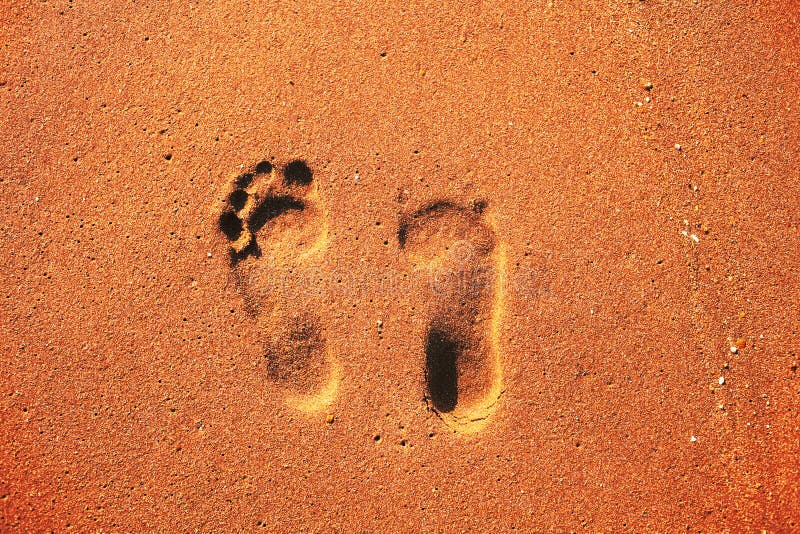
[380,323]
[208,254]
[734,349]
[329,419]
[693,439]
[678,147]
[647,99]
[722,381]
[693,237]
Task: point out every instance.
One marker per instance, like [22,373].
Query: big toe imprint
[275,224]
[459,251]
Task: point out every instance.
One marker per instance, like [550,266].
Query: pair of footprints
[274,219]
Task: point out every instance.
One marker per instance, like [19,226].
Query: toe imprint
[273,210]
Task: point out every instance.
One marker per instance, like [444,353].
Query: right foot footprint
[465,262]
[274,223]
[274,211]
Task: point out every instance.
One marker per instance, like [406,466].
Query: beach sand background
[635,165]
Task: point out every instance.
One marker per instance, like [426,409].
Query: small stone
[647,85]
[734,349]
[208,254]
[693,439]
[722,381]
[647,99]
[380,324]
[678,147]
[329,419]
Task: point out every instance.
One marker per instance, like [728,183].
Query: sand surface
[401,266]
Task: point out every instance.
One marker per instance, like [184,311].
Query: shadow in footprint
[270,208]
[297,172]
[231,225]
[296,355]
[440,206]
[441,372]
[298,360]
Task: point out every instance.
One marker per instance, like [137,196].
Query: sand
[400,266]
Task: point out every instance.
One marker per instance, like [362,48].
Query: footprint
[296,358]
[275,225]
[465,264]
[280,210]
